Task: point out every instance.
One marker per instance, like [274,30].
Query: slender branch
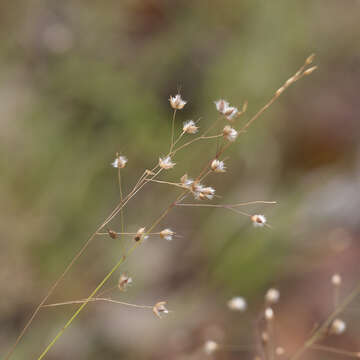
[321,329]
[336,351]
[97,299]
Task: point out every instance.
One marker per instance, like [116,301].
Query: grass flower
[139,234]
[336,279]
[272,296]
[269,313]
[167,234]
[159,309]
[166,163]
[258,220]
[224,108]
[210,347]
[120,162]
[230,133]
[237,303]
[176,102]
[124,282]
[190,127]
[203,192]
[218,166]
[338,327]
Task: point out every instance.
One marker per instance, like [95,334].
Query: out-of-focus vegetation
[82,80]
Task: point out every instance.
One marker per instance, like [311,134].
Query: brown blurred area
[80,81]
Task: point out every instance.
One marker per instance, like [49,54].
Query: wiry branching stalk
[148,175]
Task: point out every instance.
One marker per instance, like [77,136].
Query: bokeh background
[81,80]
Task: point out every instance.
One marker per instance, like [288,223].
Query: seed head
[218,166]
[166,163]
[279,351]
[230,133]
[338,327]
[160,309]
[140,234]
[210,347]
[167,234]
[310,70]
[310,59]
[112,234]
[224,108]
[177,102]
[186,182]
[269,313]
[272,296]
[237,303]
[119,162]
[258,220]
[124,282]
[190,127]
[221,106]
[336,279]
[202,193]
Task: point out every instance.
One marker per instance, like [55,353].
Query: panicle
[176,102]
[166,163]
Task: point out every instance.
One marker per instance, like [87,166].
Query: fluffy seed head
[269,313]
[272,296]
[221,106]
[230,133]
[186,182]
[210,347]
[166,163]
[119,162]
[237,303]
[279,351]
[190,127]
[336,279]
[338,327]
[124,282]
[112,234]
[258,220]
[167,234]
[159,309]
[202,193]
[140,233]
[218,166]
[177,102]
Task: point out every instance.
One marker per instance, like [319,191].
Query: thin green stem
[96,300]
[321,329]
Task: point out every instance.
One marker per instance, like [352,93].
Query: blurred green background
[82,80]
